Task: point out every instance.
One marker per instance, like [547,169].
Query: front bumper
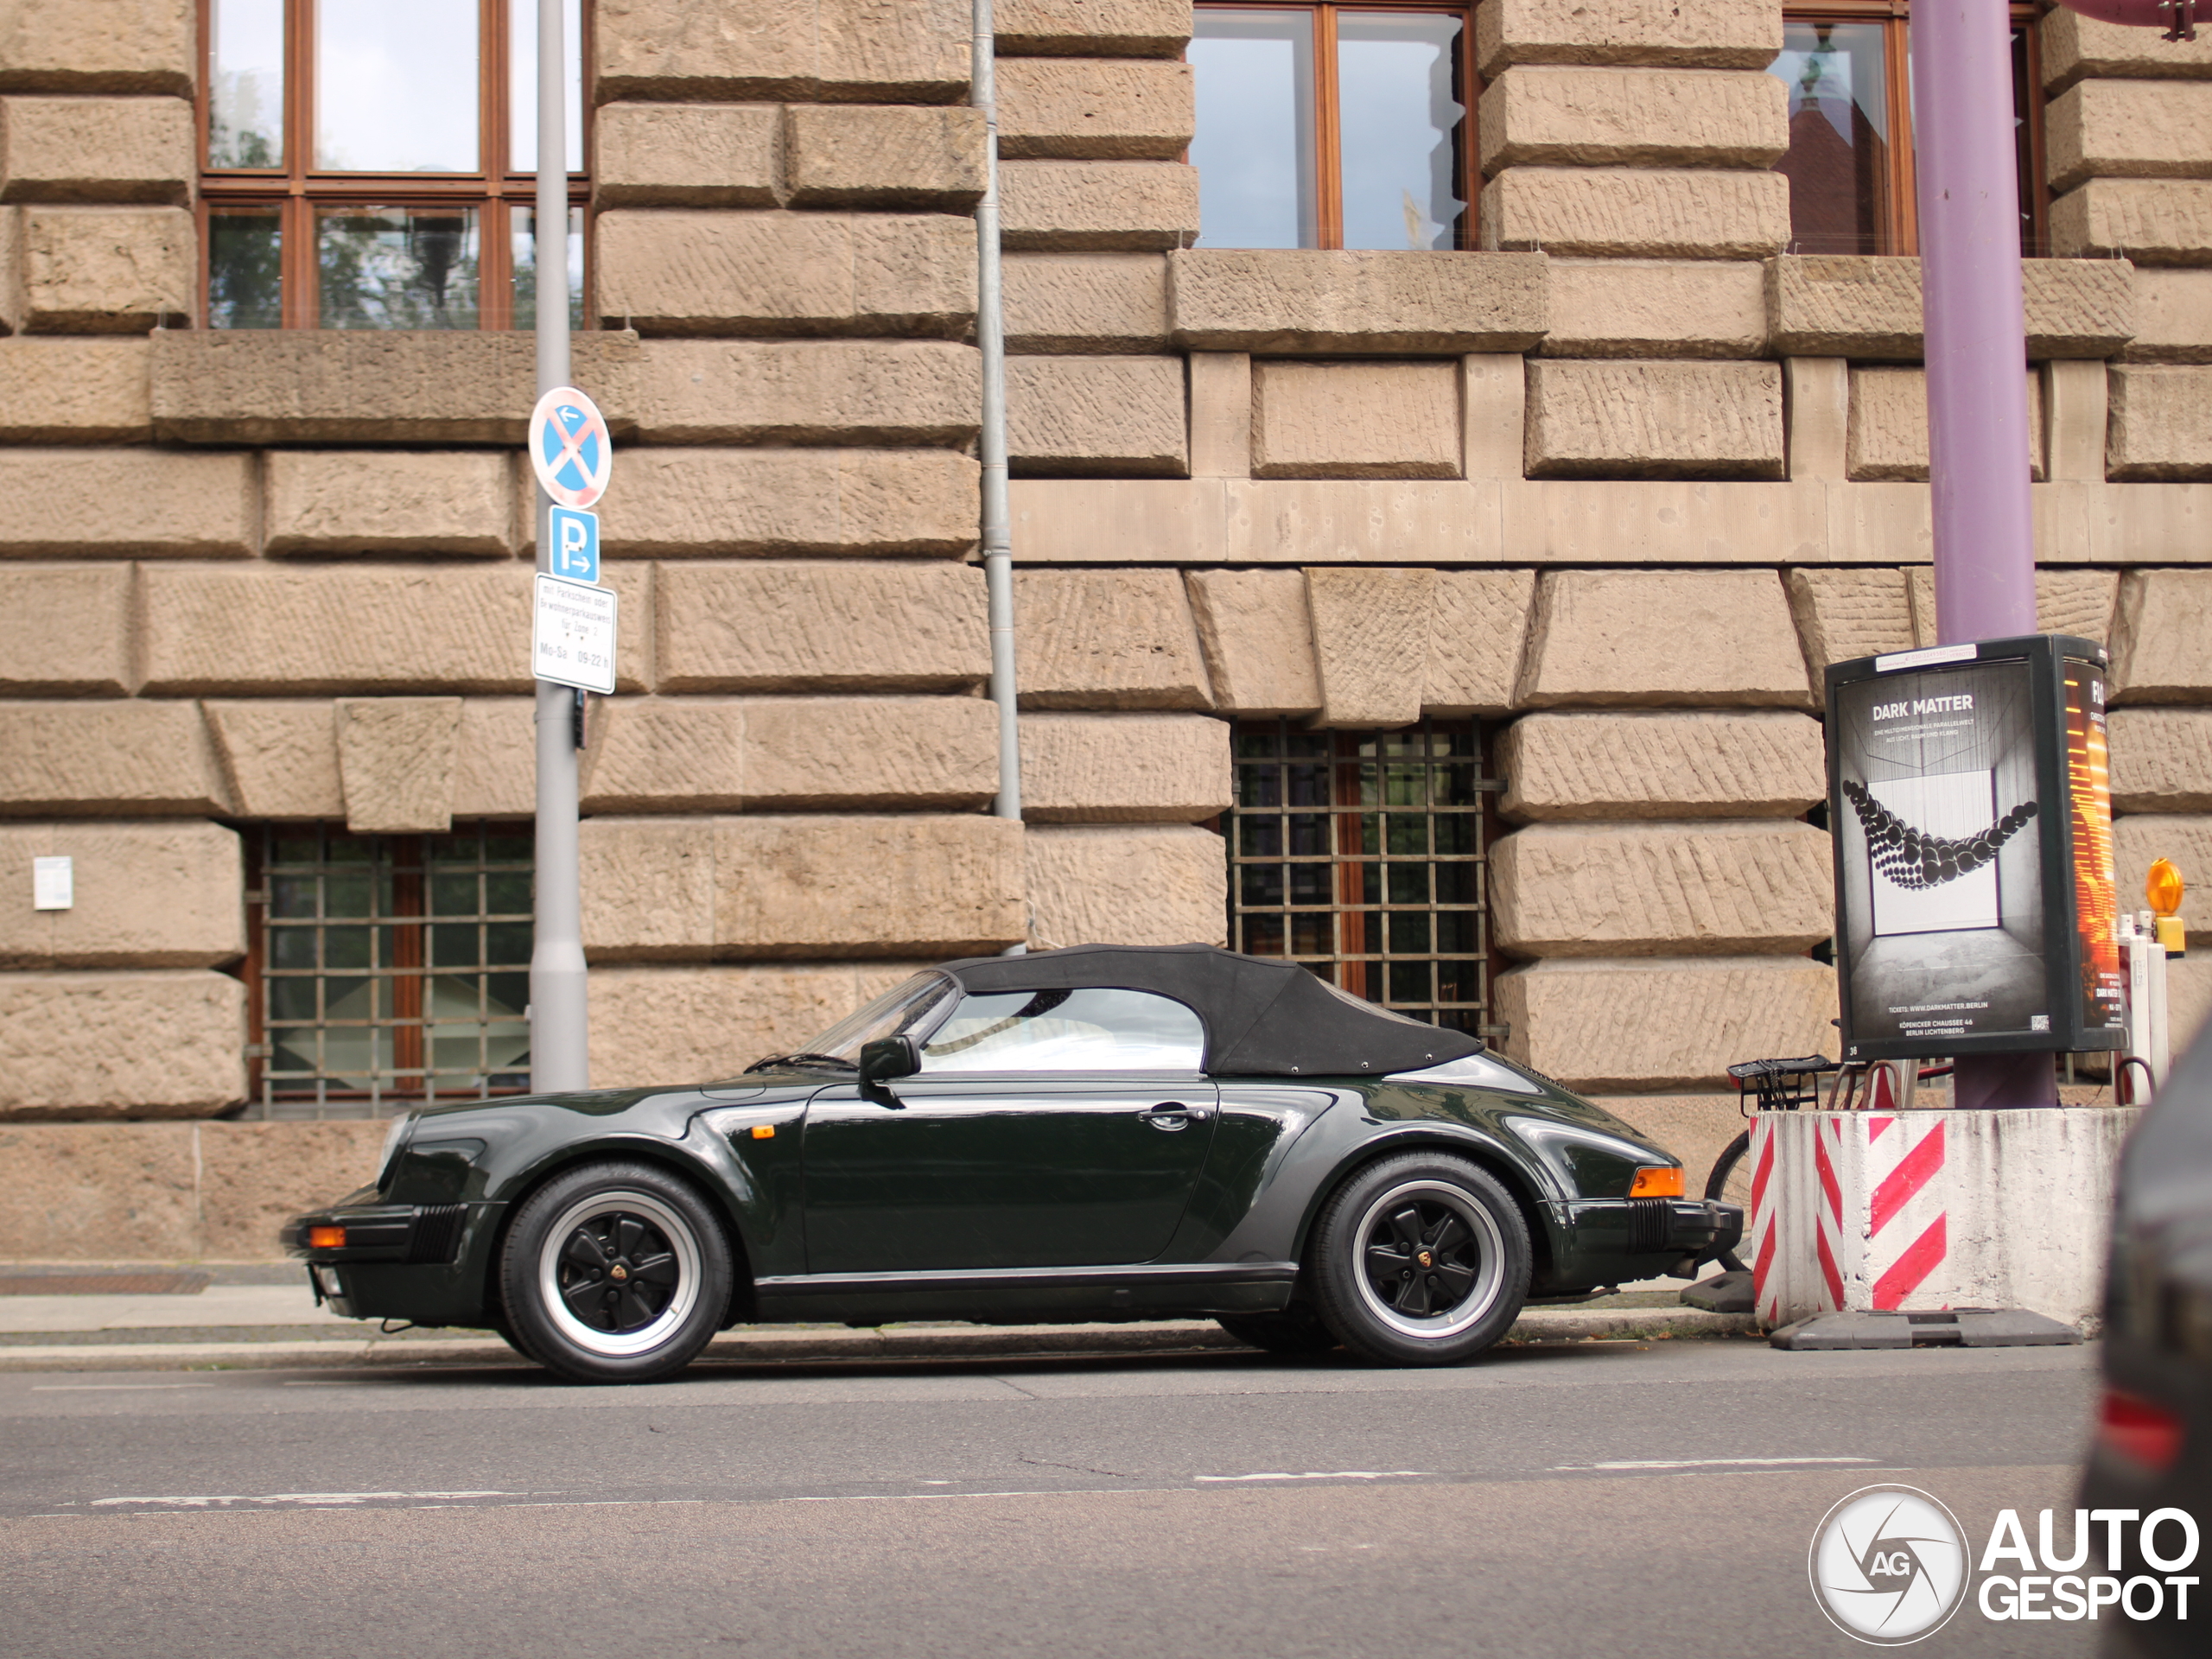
[418,1262]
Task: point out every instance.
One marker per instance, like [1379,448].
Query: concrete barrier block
[1280,299]
[1661,889]
[2129,129]
[846,155]
[2150,221]
[107,270]
[1126,884]
[1104,639]
[1695,1018]
[1072,206]
[370,501]
[692,1025]
[78,758]
[1724,34]
[1104,28]
[2161,761]
[1355,420]
[1584,767]
[1653,214]
[2158,638]
[717,391]
[1258,638]
[1123,416]
[701,503]
[845,51]
[108,149]
[1613,638]
[686,155]
[1657,308]
[1609,419]
[1844,614]
[1086,302]
[1608,117]
[65,629]
[127,503]
[1095,109]
[819,627]
[1478,632]
[59,1056]
[147,895]
[395,763]
[1123,768]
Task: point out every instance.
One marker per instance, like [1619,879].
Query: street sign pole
[560,1009]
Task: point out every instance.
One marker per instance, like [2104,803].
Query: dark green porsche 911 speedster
[1098,1133]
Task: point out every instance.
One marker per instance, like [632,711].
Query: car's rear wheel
[1293,1330]
[1421,1259]
[615,1273]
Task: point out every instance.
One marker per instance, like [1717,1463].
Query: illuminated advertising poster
[1968,807]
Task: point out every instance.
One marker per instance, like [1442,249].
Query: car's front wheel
[1421,1259]
[615,1273]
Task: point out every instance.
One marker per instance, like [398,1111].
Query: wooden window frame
[298,189]
[1328,113]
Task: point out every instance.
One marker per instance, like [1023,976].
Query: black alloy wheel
[1423,1259]
[615,1273]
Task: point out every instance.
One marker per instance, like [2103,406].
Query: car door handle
[1173,1115]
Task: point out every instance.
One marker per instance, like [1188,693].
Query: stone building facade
[1588,501]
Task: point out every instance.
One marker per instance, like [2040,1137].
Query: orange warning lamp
[2163,887]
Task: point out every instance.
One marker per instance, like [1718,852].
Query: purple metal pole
[1977,376]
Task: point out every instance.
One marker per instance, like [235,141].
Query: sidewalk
[265,1318]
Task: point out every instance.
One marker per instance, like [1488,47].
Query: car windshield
[897,1010]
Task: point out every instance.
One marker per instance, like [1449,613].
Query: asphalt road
[1590,1499]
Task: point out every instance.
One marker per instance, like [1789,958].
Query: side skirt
[1026,1295]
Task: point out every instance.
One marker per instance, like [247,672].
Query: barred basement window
[1362,856]
[386,972]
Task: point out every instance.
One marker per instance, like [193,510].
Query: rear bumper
[1612,1240]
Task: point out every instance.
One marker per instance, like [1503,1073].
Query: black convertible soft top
[1263,1019]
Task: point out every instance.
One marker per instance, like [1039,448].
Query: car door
[1046,1130]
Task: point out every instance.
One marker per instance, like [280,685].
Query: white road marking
[109,1388]
[1702,1463]
[306,1500]
[1325,1474]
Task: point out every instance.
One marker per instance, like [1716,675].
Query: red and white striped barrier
[1870,1211]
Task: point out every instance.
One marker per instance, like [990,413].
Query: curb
[769,1346]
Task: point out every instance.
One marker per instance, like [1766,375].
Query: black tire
[1421,1259]
[615,1273]
[1731,1183]
[1294,1332]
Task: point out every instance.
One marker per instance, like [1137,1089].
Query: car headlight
[395,1138]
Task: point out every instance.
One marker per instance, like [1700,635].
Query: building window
[1362,856]
[1333,126]
[386,972]
[1850,163]
[373,166]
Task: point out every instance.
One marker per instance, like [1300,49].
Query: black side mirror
[883,1060]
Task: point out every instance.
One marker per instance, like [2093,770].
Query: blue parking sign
[576,545]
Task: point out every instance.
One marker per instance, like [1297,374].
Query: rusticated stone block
[2066,602]
[2129,130]
[1564,767]
[2160,422]
[279,759]
[2173,314]
[60,1056]
[1847,613]
[873,753]
[2162,762]
[99,46]
[65,629]
[841,156]
[1220,414]
[395,763]
[372,501]
[665,754]
[335,629]
[1602,213]
[1867,306]
[76,1189]
[700,502]
[1609,116]
[808,391]
[1657,308]
[255,1177]
[106,760]
[1095,109]
[1628,638]
[2150,221]
[95,149]
[495,757]
[1308,300]
[1716,34]
[147,895]
[1078,207]
[695,1024]
[727,889]
[2075,46]
[850,51]
[1086,302]
[1104,28]
[348,386]
[1661,889]
[678,272]
[105,271]
[2159,650]
[66,391]
[133,503]
[822,628]
[1355,420]
[1693,1017]
[1258,638]
[1126,884]
[1107,639]
[1610,419]
[1121,415]
[1123,768]
[1370,629]
[1889,425]
[1478,629]
[2184,838]
[685,154]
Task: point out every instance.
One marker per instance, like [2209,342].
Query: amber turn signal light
[325,1238]
[764,1131]
[1653,1182]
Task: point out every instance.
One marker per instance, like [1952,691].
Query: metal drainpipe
[990,339]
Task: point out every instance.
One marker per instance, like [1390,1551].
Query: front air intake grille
[437,1233]
[1649,1222]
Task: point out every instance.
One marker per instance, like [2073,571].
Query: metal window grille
[387,972]
[1362,855]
